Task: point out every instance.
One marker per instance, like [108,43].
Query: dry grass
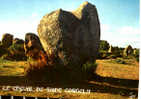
[67,95]
[112,81]
[107,68]
[12,68]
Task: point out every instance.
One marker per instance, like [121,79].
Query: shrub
[120,61]
[103,54]
[16,47]
[6,56]
[137,59]
[126,57]
[17,52]
[88,70]
[40,72]
[3,50]
[104,45]
[136,54]
[43,70]
[34,71]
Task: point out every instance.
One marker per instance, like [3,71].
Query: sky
[119,19]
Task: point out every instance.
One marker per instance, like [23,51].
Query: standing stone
[128,50]
[7,40]
[111,49]
[32,45]
[135,51]
[71,37]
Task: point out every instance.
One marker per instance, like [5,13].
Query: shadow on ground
[98,84]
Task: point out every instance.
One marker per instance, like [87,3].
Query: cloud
[124,42]
[21,27]
[120,36]
[105,27]
[33,15]
[105,30]
[129,30]
[18,29]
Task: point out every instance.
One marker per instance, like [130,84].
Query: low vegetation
[17,52]
[88,70]
[120,61]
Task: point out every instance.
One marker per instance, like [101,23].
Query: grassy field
[111,80]
[12,68]
[109,68]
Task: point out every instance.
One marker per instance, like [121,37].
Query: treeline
[107,51]
[12,48]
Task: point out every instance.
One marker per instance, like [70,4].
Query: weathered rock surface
[7,40]
[32,45]
[71,37]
